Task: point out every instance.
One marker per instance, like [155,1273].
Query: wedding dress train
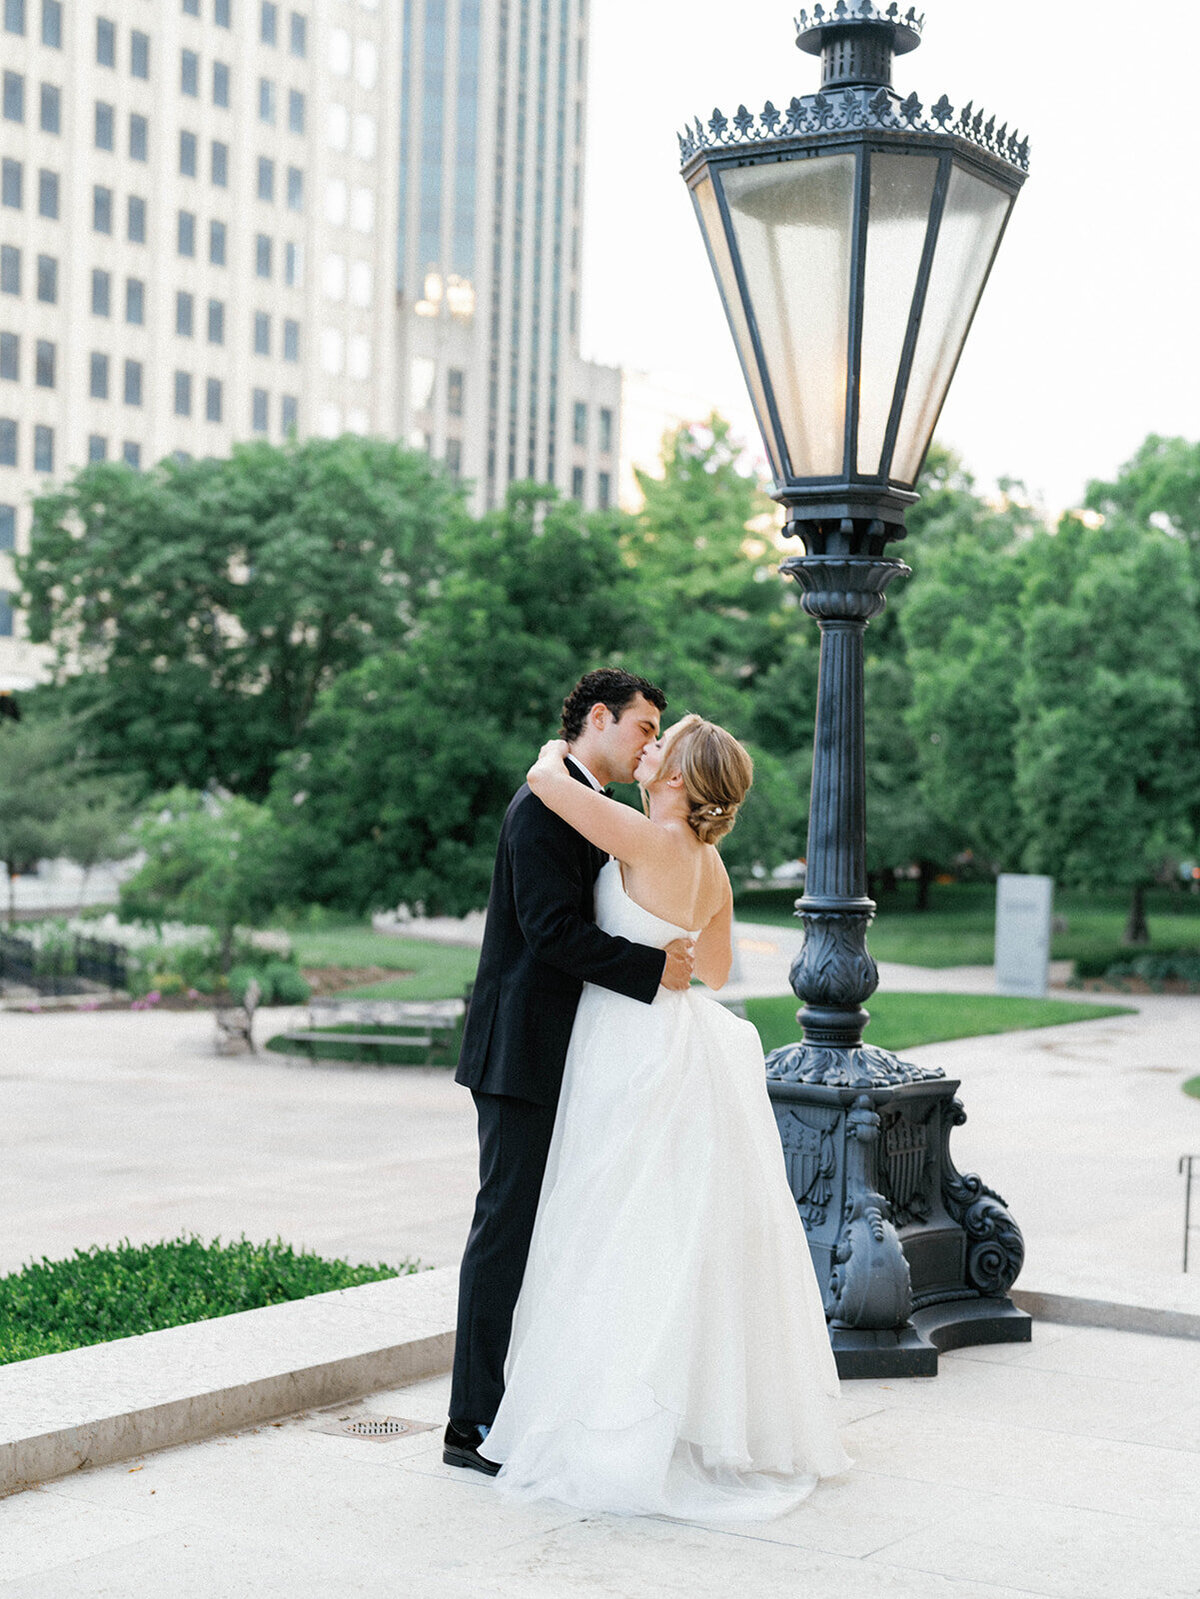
[669,1351]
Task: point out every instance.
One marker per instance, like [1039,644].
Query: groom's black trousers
[514,1140]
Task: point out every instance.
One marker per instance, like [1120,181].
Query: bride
[669,1353]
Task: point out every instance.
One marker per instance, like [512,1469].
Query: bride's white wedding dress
[669,1352]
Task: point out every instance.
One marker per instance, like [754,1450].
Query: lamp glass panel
[794,225]
[709,213]
[971,226]
[901,195]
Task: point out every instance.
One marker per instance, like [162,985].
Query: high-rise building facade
[232,219]
[492,126]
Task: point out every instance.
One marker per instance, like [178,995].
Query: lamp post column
[834,973]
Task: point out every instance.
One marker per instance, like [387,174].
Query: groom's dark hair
[608,686]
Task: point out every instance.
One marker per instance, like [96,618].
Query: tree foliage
[397,791]
[196,611]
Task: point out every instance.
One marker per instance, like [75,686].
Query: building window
[6,615]
[262,256]
[289,413]
[220,164]
[105,123]
[52,24]
[8,527]
[10,357]
[186,233]
[187,154]
[268,22]
[184,313]
[50,116]
[44,364]
[106,42]
[291,340]
[48,194]
[454,458]
[131,454]
[262,333]
[8,441]
[220,83]
[258,411]
[136,220]
[298,35]
[216,243]
[14,97]
[212,400]
[98,384]
[139,138]
[221,13]
[47,279]
[216,322]
[183,394]
[295,189]
[189,72]
[577,483]
[101,292]
[102,199]
[139,54]
[266,178]
[579,430]
[133,383]
[292,265]
[455,382]
[97,447]
[603,490]
[11,173]
[135,302]
[10,269]
[606,430]
[14,16]
[266,101]
[43,449]
[295,111]
[191,8]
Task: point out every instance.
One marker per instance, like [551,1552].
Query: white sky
[1088,336]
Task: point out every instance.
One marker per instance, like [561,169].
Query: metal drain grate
[376,1427]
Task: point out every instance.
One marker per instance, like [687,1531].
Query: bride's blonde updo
[717,774]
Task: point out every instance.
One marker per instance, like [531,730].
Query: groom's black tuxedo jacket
[540,946]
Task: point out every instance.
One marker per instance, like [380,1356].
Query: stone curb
[108,1402]
[1077,1310]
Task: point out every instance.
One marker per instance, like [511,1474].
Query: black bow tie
[607,792]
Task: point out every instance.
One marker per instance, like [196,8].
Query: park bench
[430,1028]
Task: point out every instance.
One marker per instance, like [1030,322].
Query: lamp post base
[912,1256]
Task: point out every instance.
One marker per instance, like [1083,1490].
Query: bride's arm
[614,828]
[714,946]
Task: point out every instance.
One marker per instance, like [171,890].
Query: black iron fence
[62,967]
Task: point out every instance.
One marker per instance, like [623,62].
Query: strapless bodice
[616,913]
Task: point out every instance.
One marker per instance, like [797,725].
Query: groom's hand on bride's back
[681,960]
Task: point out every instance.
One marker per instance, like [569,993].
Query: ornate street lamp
[851,236]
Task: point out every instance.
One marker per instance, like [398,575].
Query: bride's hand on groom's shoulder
[550,757]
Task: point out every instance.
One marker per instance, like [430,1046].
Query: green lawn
[435,971]
[959,927]
[902,1021]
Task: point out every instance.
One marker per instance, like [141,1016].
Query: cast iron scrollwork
[864,1066]
[996,1247]
[869,1283]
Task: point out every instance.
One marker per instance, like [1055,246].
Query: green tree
[1161,484]
[1106,759]
[36,760]
[398,789]
[196,611]
[210,861]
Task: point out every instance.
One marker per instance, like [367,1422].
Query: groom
[540,945]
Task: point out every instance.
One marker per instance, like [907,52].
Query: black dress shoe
[462,1449]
